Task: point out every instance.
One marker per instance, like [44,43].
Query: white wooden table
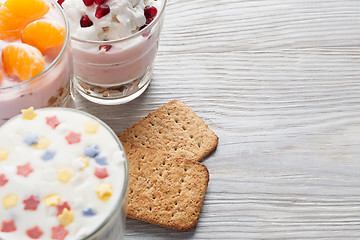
[279,82]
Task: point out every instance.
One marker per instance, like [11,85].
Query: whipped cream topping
[125,18]
[62,174]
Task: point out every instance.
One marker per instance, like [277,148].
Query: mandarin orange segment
[22,60]
[15,14]
[43,34]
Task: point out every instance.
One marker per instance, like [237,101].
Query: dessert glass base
[116,93]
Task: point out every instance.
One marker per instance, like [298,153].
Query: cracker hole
[154,197]
[184,128]
[185,169]
[160,174]
[179,191]
[199,144]
[152,124]
[143,157]
[163,163]
[168,113]
[135,136]
[176,120]
[143,144]
[150,209]
[131,191]
[182,180]
[159,132]
[139,168]
[172,215]
[175,149]
[176,203]
[191,136]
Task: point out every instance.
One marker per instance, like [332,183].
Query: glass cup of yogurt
[36,60]
[114,44]
[63,175]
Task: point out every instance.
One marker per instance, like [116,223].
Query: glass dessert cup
[51,88]
[106,223]
[117,71]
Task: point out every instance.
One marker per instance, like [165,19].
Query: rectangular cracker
[173,128]
[164,189]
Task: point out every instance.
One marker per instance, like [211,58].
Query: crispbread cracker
[165,190]
[173,128]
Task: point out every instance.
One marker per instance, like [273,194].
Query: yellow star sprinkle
[52,200]
[104,191]
[29,113]
[42,144]
[64,175]
[66,217]
[85,160]
[10,201]
[3,155]
[91,127]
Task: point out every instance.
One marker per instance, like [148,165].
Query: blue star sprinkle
[92,151]
[89,212]
[101,160]
[31,139]
[48,155]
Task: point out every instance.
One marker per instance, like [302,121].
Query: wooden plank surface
[279,82]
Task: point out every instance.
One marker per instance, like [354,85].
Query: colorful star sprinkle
[3,180]
[89,212]
[48,155]
[31,203]
[52,200]
[34,233]
[24,170]
[28,114]
[3,155]
[52,121]
[31,139]
[10,201]
[64,175]
[8,226]
[101,160]
[66,218]
[61,207]
[59,233]
[72,138]
[101,173]
[104,191]
[43,144]
[92,151]
[91,127]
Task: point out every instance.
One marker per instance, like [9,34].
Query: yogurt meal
[114,45]
[63,175]
[36,63]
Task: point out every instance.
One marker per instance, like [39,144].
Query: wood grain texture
[278,82]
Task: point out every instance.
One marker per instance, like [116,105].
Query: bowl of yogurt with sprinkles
[63,175]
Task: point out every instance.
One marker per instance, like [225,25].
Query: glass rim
[58,57]
[123,39]
[123,194]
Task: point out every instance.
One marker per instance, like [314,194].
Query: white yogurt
[77,160]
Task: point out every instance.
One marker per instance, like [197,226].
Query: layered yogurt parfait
[63,175]
[36,62]
[114,45]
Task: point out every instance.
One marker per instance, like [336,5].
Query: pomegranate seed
[150,11]
[60,2]
[105,48]
[102,10]
[99,2]
[85,21]
[149,20]
[88,2]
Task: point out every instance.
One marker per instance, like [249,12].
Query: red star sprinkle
[61,207]
[31,203]
[8,226]
[73,137]
[59,232]
[101,172]
[34,233]
[24,170]
[3,180]
[52,121]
